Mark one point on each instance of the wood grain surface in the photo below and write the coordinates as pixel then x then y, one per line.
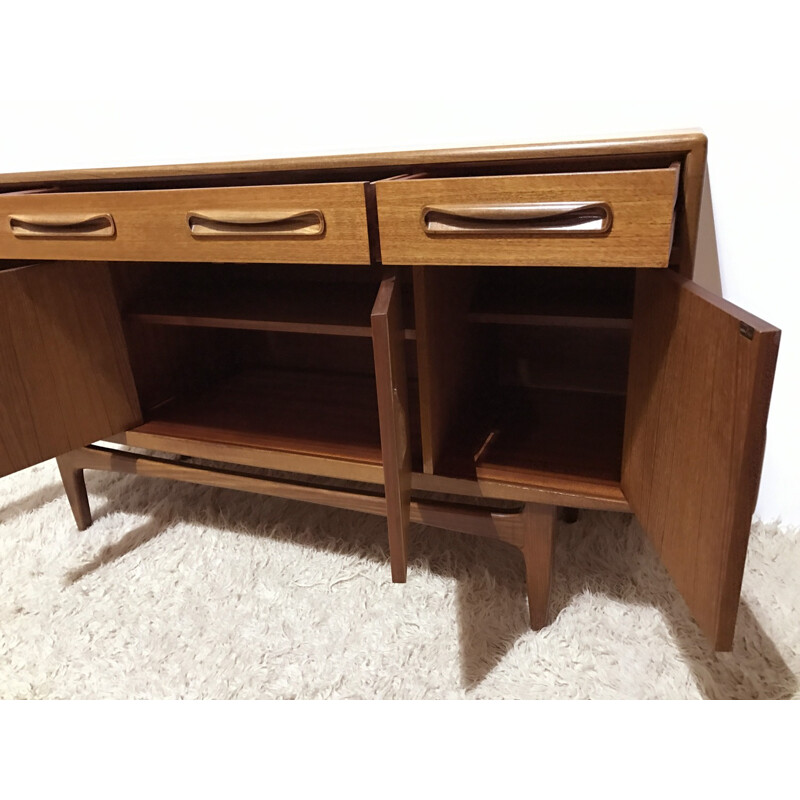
pixel 536 436
pixel 667 143
pixel 572 298
pixel 538 549
pixel 559 357
pixel 153 225
pixel 334 309
pixel 211 449
pixel 317 414
pixel 441 300
pixel 530 528
pixel 393 408
pixel 233 376
pixel 547 488
pixel 642 203
pixel 699 386
pixel 65 379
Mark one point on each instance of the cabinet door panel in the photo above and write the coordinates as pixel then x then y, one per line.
pixel 699 386
pixel 390 377
pixel 65 379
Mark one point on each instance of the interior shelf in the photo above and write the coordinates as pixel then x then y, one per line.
pixel 600 298
pixel 528 436
pixel 330 415
pixel 332 309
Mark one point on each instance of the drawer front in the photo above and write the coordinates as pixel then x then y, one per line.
pixel 310 223
pixel 602 219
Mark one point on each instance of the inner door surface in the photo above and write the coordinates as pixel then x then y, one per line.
pixel 390 378
pixel 65 379
pixel 699 386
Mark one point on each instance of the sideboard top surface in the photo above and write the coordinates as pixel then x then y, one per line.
pixel 668 143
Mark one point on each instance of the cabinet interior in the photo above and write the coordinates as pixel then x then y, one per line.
pixel 527 380
pixel 269 357
pixel 522 372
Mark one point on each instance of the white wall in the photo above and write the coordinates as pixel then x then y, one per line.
pixel 103 84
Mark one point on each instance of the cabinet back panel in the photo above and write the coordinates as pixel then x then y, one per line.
pixel 168 362
pixel 578 359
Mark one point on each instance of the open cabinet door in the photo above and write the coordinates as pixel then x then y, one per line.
pixel 390 378
pixel 699 387
pixel 65 379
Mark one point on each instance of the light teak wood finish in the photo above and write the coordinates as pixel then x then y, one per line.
pixel 241 224
pixel 328 309
pixel 530 528
pixel 540 489
pixel 319 465
pixel 699 373
pixel 538 548
pixel 700 382
pixel 641 204
pixel 441 299
pixel 551 489
pixel 390 379
pixel 283 419
pixel 664 146
pixel 65 379
pixel 688 217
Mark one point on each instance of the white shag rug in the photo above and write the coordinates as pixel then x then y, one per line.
pixel 181 591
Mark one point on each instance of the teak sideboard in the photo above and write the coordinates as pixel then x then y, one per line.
pixel 469 339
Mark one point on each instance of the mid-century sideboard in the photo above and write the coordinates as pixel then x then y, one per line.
pixel 452 330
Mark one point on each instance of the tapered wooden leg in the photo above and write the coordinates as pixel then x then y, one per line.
pixel 75 487
pixel 538 534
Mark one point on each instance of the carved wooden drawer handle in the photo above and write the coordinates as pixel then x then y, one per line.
pixel 256 223
pixel 62 226
pixel 579 219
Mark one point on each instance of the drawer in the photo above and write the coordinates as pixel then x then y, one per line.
pixel 309 223
pixel 601 219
